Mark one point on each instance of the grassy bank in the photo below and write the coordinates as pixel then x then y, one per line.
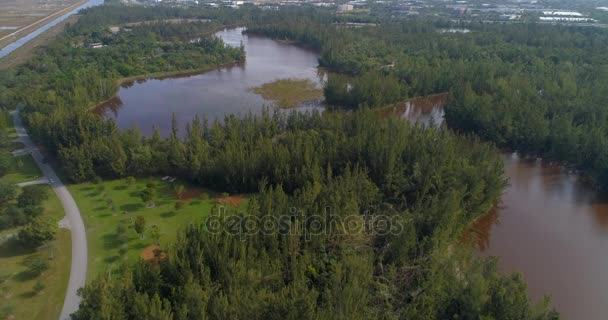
pixel 107 205
pixel 17 294
pixel 289 93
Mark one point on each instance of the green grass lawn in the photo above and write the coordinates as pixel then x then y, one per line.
pixel 17 296
pixel 24 169
pixel 290 92
pixel 101 221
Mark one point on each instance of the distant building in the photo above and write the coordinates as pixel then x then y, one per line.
pixel 345 8
pixel 115 30
pixel 567 19
pixel 96 45
pixel 562 13
pixel 510 16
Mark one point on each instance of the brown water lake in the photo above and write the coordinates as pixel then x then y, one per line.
pixel 549 225
pixel 216 93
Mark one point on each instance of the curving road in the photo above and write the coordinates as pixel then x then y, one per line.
pixel 72 220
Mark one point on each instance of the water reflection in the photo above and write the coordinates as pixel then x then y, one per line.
pixel 553 229
pixel 214 94
pixel 425 111
pixel 551 226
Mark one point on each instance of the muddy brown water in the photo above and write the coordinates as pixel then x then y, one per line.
pixel 549 226
pixel 216 93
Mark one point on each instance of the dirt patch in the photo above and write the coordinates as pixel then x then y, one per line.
pixel 153 253
pixel 190 195
pixel 233 200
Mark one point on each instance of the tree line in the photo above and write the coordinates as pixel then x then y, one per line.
pixel 430 183
pixel 532 88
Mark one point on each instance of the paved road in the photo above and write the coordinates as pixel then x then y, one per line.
pixel 34 182
pixel 21 152
pixel 78 271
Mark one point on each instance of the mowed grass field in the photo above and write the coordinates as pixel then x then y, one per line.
pixel 106 205
pixel 17 295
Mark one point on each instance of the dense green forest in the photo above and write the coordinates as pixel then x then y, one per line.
pixel 430 184
pixel 533 88
pixel 328 167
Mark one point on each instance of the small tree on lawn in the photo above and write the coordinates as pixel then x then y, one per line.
pixel 6 310
pixel 124 248
pixel 131 181
pixel 36 266
pixel 179 205
pixel 179 189
pixel 101 188
pixel 155 234
pixel 121 234
pixel 38 232
pixel 148 195
pixel 140 226
pixel 38 287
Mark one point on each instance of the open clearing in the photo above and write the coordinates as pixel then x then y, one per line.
pixel 107 205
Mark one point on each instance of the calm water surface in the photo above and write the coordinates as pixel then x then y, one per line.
pixel 549 226
pixel 216 93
